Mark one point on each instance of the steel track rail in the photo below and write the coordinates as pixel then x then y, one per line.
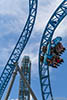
pixel 54 21
pixel 9 67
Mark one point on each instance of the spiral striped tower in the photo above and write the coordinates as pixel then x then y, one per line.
pixel 26 70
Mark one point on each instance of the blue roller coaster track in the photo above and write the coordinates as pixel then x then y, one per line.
pixel 9 67
pixel 52 24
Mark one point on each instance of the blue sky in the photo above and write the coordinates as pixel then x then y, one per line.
pixel 13 15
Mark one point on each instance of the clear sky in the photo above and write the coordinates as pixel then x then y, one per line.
pixel 13 15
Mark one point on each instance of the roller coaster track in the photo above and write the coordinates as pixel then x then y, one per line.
pixel 52 24
pixel 9 67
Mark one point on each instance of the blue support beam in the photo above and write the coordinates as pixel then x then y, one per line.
pixel 52 24
pixel 9 67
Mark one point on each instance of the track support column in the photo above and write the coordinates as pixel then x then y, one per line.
pixel 11 84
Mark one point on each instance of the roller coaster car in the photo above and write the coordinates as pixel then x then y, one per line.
pixel 53 59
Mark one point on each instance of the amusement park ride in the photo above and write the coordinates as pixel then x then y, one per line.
pixel 49 53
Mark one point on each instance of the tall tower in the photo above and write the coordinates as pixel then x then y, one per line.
pixel 26 70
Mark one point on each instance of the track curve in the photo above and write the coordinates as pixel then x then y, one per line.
pixel 52 24
pixel 9 68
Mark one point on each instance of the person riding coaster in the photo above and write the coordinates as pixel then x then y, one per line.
pixel 44 49
pixel 53 62
pixel 53 59
pixel 59 48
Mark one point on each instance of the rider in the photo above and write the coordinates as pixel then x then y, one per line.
pixel 44 49
pixel 41 58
